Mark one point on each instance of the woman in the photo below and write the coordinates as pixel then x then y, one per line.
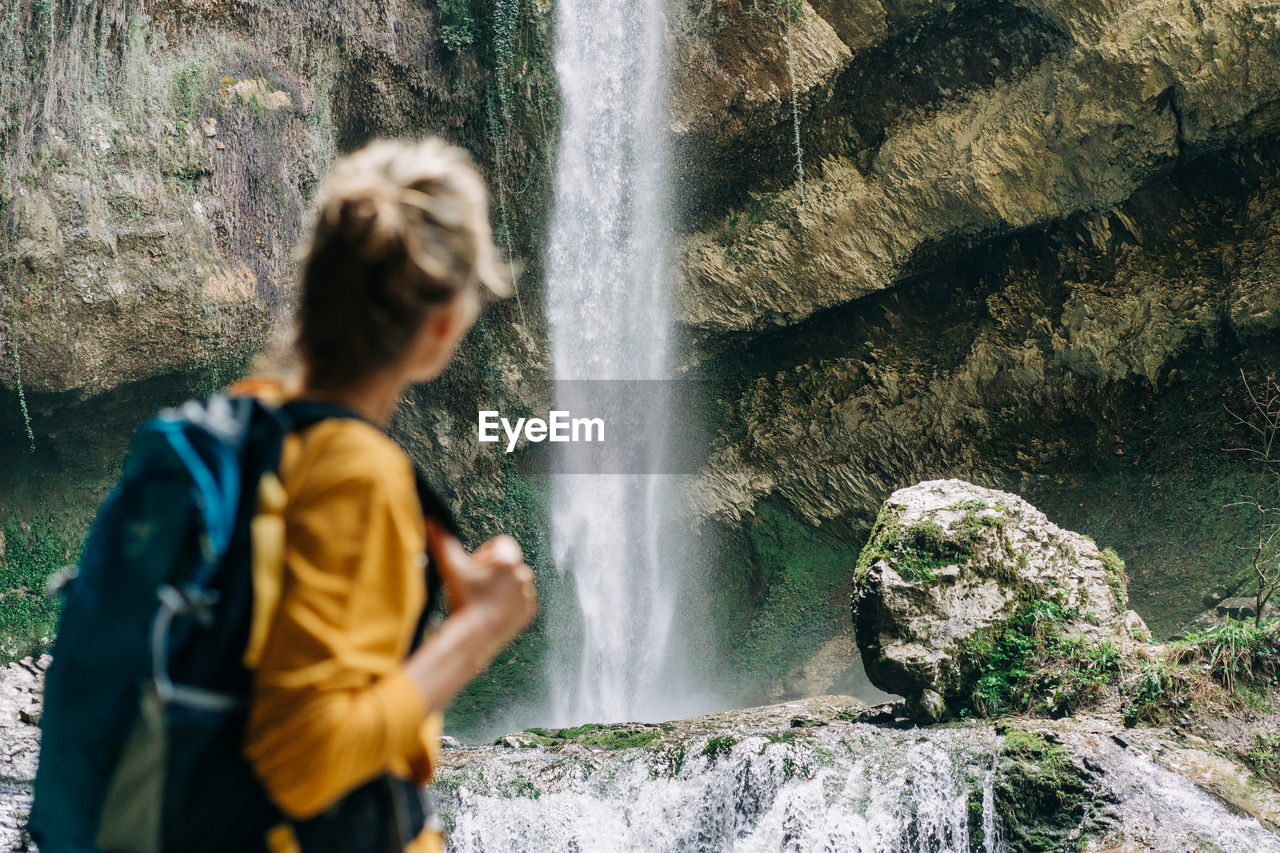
pixel 342 701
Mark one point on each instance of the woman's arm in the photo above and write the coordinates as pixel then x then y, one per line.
pixel 492 598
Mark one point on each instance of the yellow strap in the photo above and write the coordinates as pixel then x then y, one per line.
pixel 267 535
pixel 282 839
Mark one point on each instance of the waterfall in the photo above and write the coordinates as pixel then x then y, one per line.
pixel 838 786
pixel 612 655
pixel 858 790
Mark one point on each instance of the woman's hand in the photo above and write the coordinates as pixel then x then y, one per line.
pixel 493 582
pixel 491 599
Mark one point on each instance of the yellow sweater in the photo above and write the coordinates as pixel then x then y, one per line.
pixel 333 620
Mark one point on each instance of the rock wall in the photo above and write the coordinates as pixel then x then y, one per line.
pixel 1035 250
pixel 157 163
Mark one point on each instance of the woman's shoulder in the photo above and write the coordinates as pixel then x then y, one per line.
pixel 350 452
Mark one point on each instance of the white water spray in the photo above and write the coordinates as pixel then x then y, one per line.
pixel 612 655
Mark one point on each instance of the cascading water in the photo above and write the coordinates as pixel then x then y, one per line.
pixel 767 780
pixel 612 655
pixel 859 790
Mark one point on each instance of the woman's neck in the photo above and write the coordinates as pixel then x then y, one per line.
pixel 374 398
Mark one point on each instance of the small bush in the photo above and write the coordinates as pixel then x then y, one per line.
pixel 1034 664
pixel 1236 655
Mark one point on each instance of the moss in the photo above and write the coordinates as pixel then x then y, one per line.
pixel 916 551
pixel 28 616
pixel 719 747
pixel 786 592
pixel 1040 796
pixel 598 735
pixel 885 528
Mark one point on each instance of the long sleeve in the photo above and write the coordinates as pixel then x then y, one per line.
pixel 331 707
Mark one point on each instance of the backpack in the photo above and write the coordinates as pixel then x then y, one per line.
pixel 142 727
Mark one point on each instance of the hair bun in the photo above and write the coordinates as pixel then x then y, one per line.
pixel 370 222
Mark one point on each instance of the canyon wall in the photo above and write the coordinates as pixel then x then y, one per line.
pixel 1033 247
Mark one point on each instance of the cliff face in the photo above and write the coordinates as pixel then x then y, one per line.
pixel 1012 116
pixel 1034 248
pixel 157 163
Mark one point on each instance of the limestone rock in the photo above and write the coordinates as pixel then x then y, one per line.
pixel 1080 131
pixel 947 561
pixel 21 684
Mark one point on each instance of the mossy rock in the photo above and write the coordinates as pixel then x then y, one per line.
pixel 1040 795
pixel 956 579
pixel 597 735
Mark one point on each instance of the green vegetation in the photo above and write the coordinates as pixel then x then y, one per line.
pixel 28 616
pixel 719 747
pixel 458 28
pixel 1264 756
pixel 1034 663
pixel 917 551
pixel 1040 795
pixel 1237 655
pixel 516 676
pixel 1235 664
pixel 668 761
pixel 1117 579
pixel 600 736
pixel 1153 692
pixel 787 587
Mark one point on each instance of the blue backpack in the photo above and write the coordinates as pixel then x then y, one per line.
pixel 142 726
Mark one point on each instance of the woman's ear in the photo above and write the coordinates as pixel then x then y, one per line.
pixel 441 333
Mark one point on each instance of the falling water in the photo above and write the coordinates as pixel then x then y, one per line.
pixel 853 789
pixel 612 655
pixel 838 786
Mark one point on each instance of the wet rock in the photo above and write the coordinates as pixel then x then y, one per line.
pixel 21 684
pixel 949 561
pixel 927 707
pixel 1237 608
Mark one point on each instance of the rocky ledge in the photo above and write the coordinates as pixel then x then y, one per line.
pixel 21 684
pixel 814 774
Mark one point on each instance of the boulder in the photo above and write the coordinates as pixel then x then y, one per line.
pixel 949 563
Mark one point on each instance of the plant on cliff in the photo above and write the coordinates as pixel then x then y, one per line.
pixel 1263 505
pixel 29 554
pixel 1035 663
pixel 458 28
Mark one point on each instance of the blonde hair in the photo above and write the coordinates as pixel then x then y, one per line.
pixel 401 227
